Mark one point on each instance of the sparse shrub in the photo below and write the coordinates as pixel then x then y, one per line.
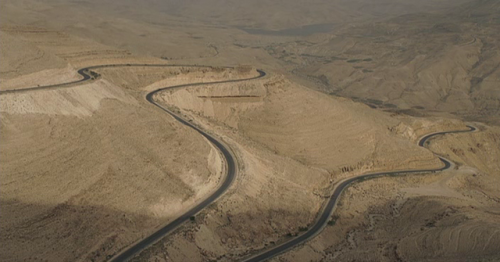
pixel 243 69
pixel 375 101
pixel 93 75
pixel 218 69
pixel 476 81
pixel 333 220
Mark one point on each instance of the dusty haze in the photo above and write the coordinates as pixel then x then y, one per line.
pixel 89 169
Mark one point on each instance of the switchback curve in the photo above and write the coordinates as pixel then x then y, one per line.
pixel 230 175
pixel 136 248
pixel 231 169
pixel 328 210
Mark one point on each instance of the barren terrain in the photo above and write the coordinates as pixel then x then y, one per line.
pixel 416 63
pixel 448 216
pixel 88 169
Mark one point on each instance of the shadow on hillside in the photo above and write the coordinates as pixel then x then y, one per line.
pixel 34 232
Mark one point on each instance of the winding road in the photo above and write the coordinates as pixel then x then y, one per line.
pixel 231 169
pixel 230 175
pixel 328 210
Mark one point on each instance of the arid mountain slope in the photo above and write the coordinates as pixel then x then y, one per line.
pixel 285 118
pixel 22 57
pixel 89 169
pixel 440 62
pixel 448 216
pixel 70 167
pixel 290 157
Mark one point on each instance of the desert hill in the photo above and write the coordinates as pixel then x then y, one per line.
pixel 452 215
pixel 88 169
pixel 439 62
pixel 75 183
pixel 83 154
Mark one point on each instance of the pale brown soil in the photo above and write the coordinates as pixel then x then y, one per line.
pixel 449 216
pixel 284 192
pixel 87 170
pixel 93 166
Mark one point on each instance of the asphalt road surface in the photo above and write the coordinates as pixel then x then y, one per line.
pixel 320 223
pixel 139 246
pixel 230 176
pixel 328 210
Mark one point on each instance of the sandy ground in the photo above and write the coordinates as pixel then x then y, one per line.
pixel 90 169
pixel 413 63
pixel 449 216
pixel 79 159
pixel 284 192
